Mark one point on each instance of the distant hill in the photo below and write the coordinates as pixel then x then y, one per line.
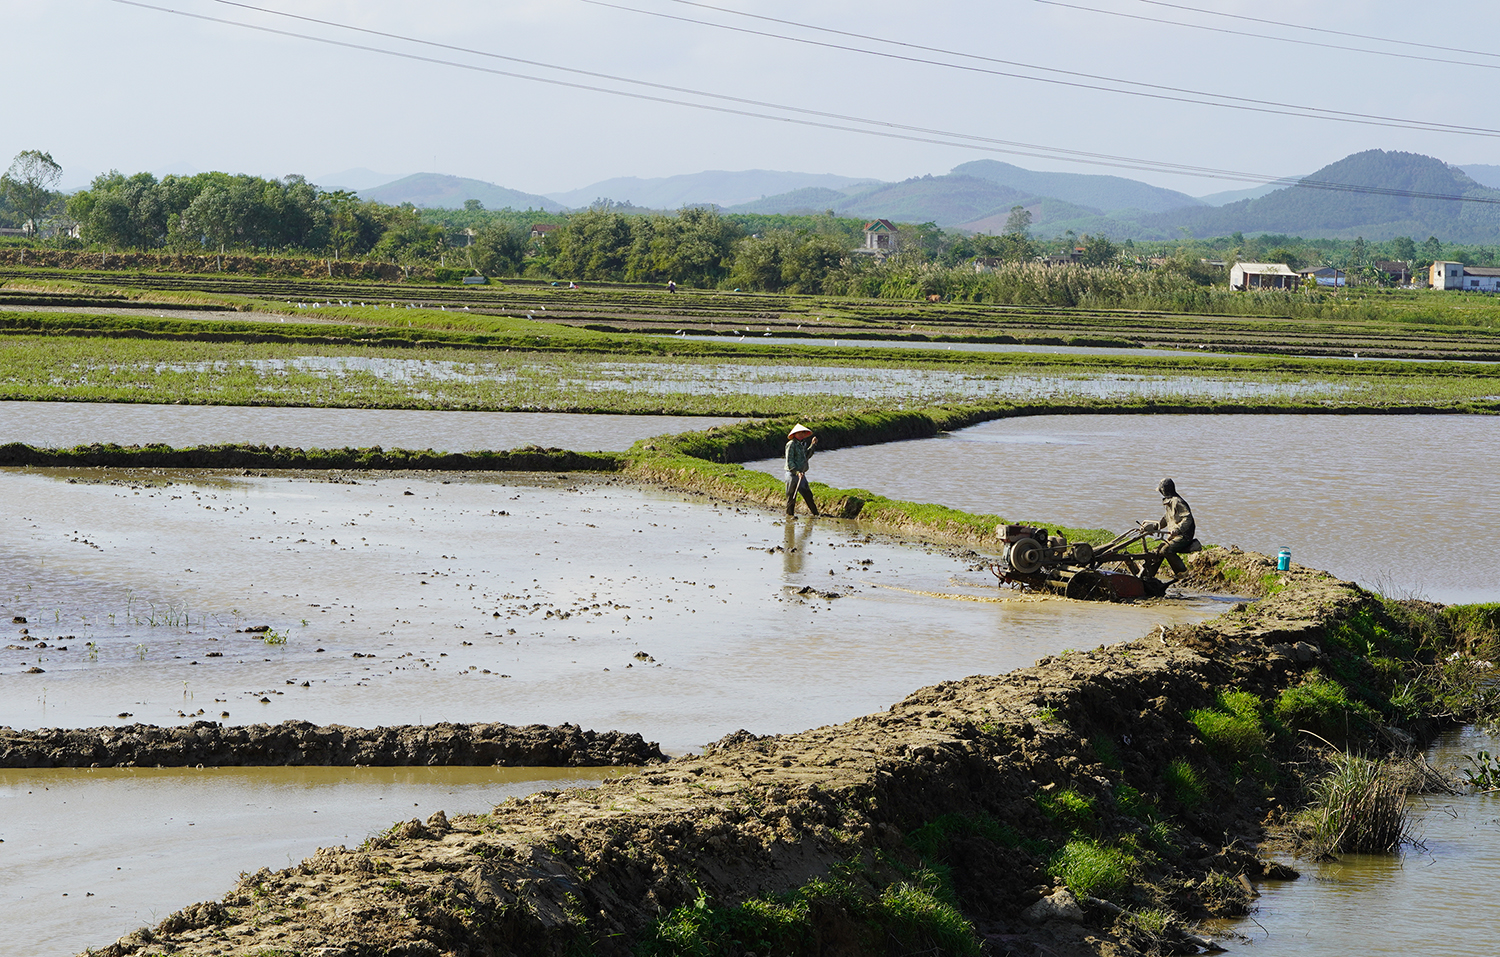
pixel 1303 211
pixel 355 179
pixel 945 200
pixel 436 191
pixel 1084 189
pixel 1484 175
pixel 713 187
pixel 1235 195
pixel 1048 217
pixel 811 199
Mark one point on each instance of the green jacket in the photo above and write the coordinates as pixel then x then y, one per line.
pixel 797 454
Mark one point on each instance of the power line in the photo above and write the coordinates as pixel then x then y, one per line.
pixel 1342 32
pixel 1188 96
pixel 825 120
pixel 1279 39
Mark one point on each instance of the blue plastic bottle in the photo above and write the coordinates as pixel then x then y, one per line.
pixel 1284 560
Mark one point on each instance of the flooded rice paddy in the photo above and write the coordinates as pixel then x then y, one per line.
pixel 1402 503
pixel 411 598
pixel 66 424
pixel 407 599
pixel 1429 899
pixel 91 855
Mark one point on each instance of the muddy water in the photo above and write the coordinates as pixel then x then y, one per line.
pixel 1401 503
pixel 407 600
pixel 412 599
pixel 66 424
pixel 1431 899
pixel 90 855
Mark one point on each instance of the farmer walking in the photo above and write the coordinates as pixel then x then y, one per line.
pixel 799 448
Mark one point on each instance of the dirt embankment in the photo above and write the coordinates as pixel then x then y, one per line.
pixel 302 743
pixel 992 781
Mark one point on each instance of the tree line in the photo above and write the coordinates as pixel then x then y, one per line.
pixel 696 246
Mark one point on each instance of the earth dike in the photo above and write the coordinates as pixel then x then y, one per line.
pixel 1074 806
pixel 301 743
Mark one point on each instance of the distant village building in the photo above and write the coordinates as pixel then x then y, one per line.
pixel 1399 271
pixel 540 230
pixel 881 237
pixel 1262 276
pixel 1063 259
pixel 1451 275
pixel 1324 276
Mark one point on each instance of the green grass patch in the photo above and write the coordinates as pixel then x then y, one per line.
pixel 1069 810
pixel 1093 869
pixel 903 917
pixel 1317 705
pixel 1233 727
pixel 1183 783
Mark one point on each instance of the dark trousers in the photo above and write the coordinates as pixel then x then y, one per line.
pixel 1170 550
pixel 797 482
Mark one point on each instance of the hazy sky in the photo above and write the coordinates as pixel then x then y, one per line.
pixel 101 84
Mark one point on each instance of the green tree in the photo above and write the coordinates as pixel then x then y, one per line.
pixel 1286 256
pixel 1404 248
pixel 1018 223
pixel 499 250
pixel 28 186
pixel 1432 249
pixel 1098 251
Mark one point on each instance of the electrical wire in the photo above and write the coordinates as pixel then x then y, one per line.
pixel 1281 24
pixel 880 128
pixel 1279 39
pixel 1249 104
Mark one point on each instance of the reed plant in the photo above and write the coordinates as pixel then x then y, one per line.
pixel 1358 806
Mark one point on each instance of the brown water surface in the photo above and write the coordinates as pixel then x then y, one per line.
pixel 66 424
pixel 1404 503
pixel 90 855
pixel 409 598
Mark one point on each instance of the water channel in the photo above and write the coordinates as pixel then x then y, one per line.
pixel 1402 503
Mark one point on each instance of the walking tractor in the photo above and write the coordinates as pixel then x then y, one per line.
pixel 1036 560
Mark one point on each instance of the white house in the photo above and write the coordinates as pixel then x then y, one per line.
pixel 1261 276
pixel 1451 275
pixel 881 236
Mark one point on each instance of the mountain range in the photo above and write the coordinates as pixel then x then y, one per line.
pixel 978 196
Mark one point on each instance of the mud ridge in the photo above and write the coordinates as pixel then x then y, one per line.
pixel 298 743
pixel 959 776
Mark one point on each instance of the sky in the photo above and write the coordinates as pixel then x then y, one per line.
pixel 104 84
